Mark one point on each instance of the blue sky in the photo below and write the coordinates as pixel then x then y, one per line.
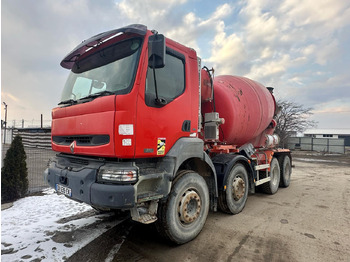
pixel 299 47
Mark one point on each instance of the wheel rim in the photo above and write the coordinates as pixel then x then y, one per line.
pixel 189 206
pixel 238 188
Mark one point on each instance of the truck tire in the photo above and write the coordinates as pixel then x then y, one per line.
pixel 233 199
pixel 182 215
pixel 286 171
pixel 271 187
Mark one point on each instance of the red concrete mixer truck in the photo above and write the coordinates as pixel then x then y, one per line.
pixel 142 127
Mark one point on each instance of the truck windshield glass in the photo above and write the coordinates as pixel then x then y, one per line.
pixel 107 71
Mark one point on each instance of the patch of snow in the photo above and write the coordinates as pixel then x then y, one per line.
pixel 27 228
pixel 112 253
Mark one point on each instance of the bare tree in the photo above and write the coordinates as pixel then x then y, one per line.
pixel 292 118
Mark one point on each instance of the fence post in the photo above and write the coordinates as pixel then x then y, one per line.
pixel 328 145
pixel 5 121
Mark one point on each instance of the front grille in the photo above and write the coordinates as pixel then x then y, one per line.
pixel 78 161
pixel 80 140
pixel 83 140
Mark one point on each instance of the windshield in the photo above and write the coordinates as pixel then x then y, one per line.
pixel 107 71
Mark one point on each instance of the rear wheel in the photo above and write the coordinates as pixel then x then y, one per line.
pixel 286 171
pixel 182 215
pixel 232 200
pixel 271 187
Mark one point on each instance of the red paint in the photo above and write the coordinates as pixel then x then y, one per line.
pixel 247 107
pixel 166 122
pixel 93 118
pixel 103 115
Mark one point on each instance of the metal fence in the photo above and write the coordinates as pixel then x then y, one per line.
pixel 37 159
pixel 330 145
pixel 6 135
pixel 37 145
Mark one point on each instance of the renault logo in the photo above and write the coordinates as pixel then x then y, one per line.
pixel 72 146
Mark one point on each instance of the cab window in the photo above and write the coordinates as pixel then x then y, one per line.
pixel 170 79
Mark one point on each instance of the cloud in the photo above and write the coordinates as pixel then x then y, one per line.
pixel 221 12
pixel 153 13
pixel 332 114
pixel 272 68
pixel 293 46
pixel 227 52
pixel 10 96
pixel 328 14
pixel 193 27
pixel 327 52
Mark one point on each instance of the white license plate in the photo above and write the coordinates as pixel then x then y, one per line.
pixel 63 190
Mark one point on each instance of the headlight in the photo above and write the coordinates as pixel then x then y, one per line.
pixel 110 175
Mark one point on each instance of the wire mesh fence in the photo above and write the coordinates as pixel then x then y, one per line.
pixel 6 135
pixel 37 159
pixel 330 145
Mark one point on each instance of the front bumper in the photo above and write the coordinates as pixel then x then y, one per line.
pixel 81 179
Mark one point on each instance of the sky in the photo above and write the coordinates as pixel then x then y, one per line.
pixel 301 48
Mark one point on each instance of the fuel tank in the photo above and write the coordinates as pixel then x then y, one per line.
pixel 247 106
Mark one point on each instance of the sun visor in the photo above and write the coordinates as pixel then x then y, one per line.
pixel 73 56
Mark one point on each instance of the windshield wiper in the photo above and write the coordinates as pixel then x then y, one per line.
pixel 69 101
pixel 103 93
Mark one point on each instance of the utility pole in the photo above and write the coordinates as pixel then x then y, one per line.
pixel 5 121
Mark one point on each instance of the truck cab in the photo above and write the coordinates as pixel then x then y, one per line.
pixel 108 106
pixel 123 129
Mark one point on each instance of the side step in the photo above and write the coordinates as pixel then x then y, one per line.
pixel 145 215
pixel 147 219
pixel 260 167
pixel 262 181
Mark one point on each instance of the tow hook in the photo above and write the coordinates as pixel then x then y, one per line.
pixel 63 180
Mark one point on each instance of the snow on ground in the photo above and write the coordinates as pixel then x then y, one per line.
pixel 36 228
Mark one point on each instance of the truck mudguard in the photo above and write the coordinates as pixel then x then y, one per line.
pixel 223 164
pixel 189 152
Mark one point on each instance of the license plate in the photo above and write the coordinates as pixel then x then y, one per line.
pixel 63 190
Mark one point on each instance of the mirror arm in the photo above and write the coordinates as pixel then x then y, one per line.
pixel 155 80
pixel 159 101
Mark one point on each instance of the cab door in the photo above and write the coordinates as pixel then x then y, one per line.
pixel 161 122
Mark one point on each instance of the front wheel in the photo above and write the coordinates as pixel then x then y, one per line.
pixel 232 200
pixel 182 215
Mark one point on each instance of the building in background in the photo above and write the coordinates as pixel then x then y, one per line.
pixel 329 133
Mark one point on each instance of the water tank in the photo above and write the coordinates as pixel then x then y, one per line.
pixel 247 106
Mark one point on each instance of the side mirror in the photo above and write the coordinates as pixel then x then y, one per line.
pixel 156 51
